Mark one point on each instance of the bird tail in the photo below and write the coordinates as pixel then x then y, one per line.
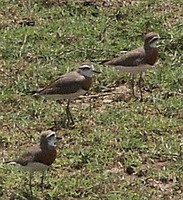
pixel 10 162
pixel 103 62
pixel 31 92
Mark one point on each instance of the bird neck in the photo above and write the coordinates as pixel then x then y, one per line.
pixel 149 47
pixel 44 147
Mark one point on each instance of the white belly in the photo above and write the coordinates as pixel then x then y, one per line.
pixel 32 166
pixel 35 166
pixel 66 96
pixel 134 69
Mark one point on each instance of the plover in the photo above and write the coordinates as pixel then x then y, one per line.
pixel 138 60
pixel 70 86
pixel 38 157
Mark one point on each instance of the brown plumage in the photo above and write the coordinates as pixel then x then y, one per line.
pixel 70 86
pixel 39 157
pixel 138 60
pixel 67 84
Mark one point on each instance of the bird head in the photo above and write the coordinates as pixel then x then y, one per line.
pixel 87 70
pixel 151 38
pixel 48 139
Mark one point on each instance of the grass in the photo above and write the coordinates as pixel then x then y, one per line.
pixel 119 148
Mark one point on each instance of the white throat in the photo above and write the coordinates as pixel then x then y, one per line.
pixel 153 44
pixel 51 141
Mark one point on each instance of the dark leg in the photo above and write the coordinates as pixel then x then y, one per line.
pixel 133 85
pixel 90 104
pixel 30 181
pixel 68 113
pixel 42 180
pixel 140 86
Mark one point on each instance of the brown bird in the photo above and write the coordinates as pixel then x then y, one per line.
pixel 39 157
pixel 70 86
pixel 138 60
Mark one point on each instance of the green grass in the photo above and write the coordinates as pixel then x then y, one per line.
pixel 120 148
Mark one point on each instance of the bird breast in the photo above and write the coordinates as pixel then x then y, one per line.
pixel 86 83
pixel 152 57
pixel 46 157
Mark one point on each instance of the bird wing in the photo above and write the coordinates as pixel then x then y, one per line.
pixel 132 58
pixel 67 83
pixel 27 156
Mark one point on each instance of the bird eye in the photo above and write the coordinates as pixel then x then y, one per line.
pixel 154 39
pixel 85 68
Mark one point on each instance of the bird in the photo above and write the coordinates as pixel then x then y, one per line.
pixel 70 86
pixel 138 60
pixel 39 157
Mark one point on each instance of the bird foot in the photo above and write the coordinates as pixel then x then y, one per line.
pixel 45 186
pixel 69 124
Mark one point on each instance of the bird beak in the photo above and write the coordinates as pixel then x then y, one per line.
pixel 95 71
pixel 58 137
pixel 164 38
